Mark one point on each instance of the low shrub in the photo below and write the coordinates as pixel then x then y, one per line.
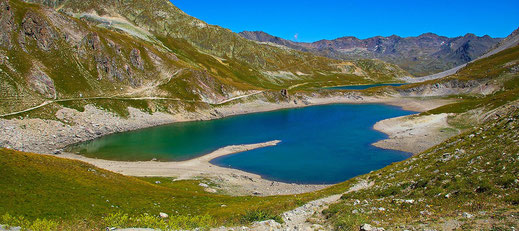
pixel 260 215
pixel 20 221
pixel 179 222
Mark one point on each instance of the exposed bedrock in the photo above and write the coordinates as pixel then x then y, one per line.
pixel 450 87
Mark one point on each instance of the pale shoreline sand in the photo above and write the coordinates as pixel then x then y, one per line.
pixel 187 169
pixel 201 167
pixel 414 134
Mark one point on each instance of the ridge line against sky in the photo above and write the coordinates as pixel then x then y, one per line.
pixel 309 21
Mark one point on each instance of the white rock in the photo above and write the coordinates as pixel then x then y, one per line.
pixel 366 227
pixel 163 215
pixel 210 190
pixel 409 201
pixel 203 185
pixel 467 215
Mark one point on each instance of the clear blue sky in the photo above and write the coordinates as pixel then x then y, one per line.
pixel 329 19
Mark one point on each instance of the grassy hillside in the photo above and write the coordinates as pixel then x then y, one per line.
pixel 501 70
pixel 79 196
pixel 469 182
pixel 128 49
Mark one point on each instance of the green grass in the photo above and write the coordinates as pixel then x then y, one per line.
pixel 174 222
pixel 36 225
pixel 260 215
pixel 77 194
pixel 470 103
pixel 473 172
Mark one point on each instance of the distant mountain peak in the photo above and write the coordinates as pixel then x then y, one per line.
pixel 414 54
pixel 470 35
pixel 429 34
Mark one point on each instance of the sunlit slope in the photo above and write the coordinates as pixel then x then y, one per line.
pixel 84 49
pixel 469 181
pixel 79 195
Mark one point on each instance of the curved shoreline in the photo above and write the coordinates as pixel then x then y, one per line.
pixel 45 138
pixel 200 167
pixel 414 134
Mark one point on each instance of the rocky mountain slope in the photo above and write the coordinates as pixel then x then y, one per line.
pixel 65 50
pixel 494 74
pixel 422 55
pixel 510 41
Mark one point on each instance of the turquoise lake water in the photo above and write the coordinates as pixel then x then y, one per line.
pixel 319 144
pixel 362 87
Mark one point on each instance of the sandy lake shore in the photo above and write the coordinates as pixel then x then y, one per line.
pixel 414 134
pixel 201 167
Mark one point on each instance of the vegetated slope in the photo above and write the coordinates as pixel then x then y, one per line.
pixel 471 173
pixel 422 55
pixel 78 195
pixel 510 41
pixel 469 182
pixel 85 49
pixel 487 77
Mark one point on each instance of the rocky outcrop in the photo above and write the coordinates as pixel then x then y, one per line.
pixel 93 41
pixel 107 67
pixel 41 83
pixel 135 58
pixel 284 93
pixel 111 67
pixel 449 87
pixel 6 24
pixel 36 27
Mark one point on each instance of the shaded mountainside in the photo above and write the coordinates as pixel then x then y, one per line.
pixel 422 55
pixel 127 48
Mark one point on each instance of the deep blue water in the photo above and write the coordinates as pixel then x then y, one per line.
pixel 362 87
pixel 320 144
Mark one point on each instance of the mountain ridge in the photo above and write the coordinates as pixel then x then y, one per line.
pixel 427 53
pixel 147 49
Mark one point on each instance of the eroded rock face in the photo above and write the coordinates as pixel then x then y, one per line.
pixel 6 24
pixel 50 3
pixel 107 67
pixel 42 83
pixel 36 27
pixel 135 58
pixel 284 93
pixel 450 87
pixel 93 41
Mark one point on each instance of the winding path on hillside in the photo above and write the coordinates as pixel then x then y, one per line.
pixel 239 97
pixel 126 98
